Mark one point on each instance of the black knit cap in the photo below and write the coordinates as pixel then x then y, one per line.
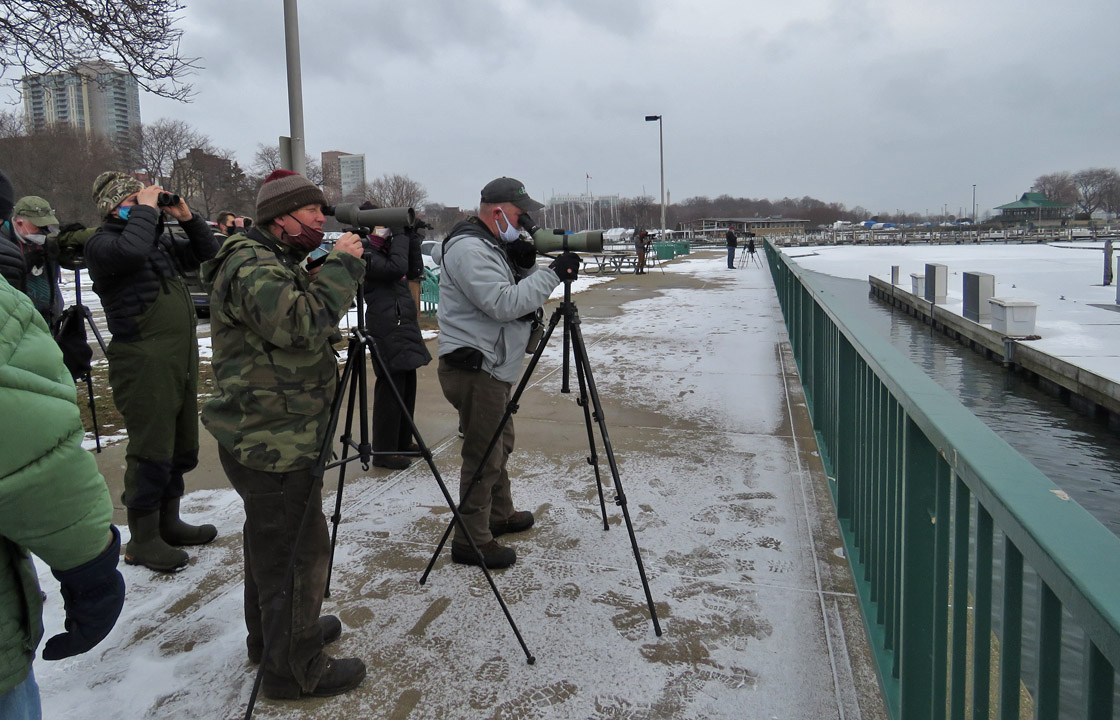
pixel 508 190
pixel 283 192
pixel 7 197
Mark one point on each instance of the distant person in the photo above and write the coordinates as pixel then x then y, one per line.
pixel 394 323
pixel 53 504
pixel 750 244
pixel 153 357
pixel 490 289
pixel 641 245
pixel 229 224
pixel 32 250
pixel 732 241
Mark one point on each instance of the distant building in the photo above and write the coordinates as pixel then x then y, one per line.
pixel 1034 208
pixel 95 98
pixel 343 173
pixel 351 173
pixel 759 226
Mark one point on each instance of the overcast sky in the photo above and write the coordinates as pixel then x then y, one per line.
pixel 888 104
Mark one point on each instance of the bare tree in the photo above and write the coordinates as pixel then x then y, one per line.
pixel 442 218
pixel 11 124
pixel 266 160
pixel 1057 187
pixel 60 165
pixel 1095 187
pixel 38 36
pixel 162 144
pixel 396 191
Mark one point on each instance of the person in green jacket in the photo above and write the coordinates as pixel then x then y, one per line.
pixel 53 503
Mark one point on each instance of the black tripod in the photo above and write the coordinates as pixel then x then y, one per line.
pixel 354 385
pixel 70 335
pixel 573 345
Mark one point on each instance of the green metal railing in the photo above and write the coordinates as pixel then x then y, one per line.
pixel 429 292
pixel 940 518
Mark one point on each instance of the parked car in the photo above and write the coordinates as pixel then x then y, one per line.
pixel 426 248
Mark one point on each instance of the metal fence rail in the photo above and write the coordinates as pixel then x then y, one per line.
pixel 940 518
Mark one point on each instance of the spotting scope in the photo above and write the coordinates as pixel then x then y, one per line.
pixel 396 218
pixel 545 240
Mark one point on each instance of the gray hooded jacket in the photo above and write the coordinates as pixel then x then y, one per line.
pixel 481 299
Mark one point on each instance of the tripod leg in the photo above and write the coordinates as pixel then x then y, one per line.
pixel 93 411
pixel 349 381
pixel 580 351
pixel 593 458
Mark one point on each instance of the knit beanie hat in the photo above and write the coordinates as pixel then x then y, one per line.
pixel 284 191
pixel 7 197
pixel 111 188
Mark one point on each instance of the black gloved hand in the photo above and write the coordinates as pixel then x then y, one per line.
pixel 93 595
pixel 522 253
pixel 566 266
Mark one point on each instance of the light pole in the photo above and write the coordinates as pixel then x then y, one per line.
pixel 973 203
pixel 661 145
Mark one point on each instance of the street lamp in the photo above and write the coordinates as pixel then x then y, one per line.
pixel 661 144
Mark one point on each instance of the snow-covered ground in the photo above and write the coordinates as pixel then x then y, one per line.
pixel 1077 316
pixel 716 468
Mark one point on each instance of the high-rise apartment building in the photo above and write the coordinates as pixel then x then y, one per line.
pixel 96 98
pixel 343 173
pixel 351 173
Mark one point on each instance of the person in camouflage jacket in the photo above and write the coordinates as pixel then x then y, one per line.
pixel 276 373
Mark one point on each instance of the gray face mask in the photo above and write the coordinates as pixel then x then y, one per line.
pixel 511 232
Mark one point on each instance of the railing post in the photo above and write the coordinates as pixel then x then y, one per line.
pixel 916 644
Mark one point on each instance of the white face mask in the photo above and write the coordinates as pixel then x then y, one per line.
pixel 37 238
pixel 511 232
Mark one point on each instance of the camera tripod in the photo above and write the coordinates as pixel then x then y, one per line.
pixel 588 399
pixel 74 320
pixel 353 384
pixel 753 258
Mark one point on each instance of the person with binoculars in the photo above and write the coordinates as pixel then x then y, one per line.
pixel 490 287
pixel 153 356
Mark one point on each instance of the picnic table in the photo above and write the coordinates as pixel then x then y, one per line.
pixel 611 261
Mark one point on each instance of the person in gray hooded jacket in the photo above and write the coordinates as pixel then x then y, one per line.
pixel 489 283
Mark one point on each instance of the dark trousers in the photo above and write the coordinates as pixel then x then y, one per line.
pixel 155 388
pixel 274 508
pixel 481 401
pixel 731 257
pixel 391 429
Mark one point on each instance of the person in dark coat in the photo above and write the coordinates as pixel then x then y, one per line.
pixel 393 322
pixel 153 358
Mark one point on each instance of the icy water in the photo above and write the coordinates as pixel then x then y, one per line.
pixel 1078 453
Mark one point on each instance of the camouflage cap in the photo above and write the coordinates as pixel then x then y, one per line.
pixel 35 210
pixel 111 188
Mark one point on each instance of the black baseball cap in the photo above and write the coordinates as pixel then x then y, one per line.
pixel 508 190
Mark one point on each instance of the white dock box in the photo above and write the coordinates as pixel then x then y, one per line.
pixel 1013 317
pixel 918 284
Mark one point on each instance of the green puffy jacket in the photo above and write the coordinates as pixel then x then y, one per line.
pixel 274 363
pixel 53 501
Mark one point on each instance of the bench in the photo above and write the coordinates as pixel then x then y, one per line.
pixel 611 261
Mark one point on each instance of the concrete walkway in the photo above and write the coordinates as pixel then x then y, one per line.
pixel 730 507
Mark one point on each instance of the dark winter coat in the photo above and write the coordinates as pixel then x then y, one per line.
pixel 732 240
pixel 391 315
pixel 134 265
pixel 33 269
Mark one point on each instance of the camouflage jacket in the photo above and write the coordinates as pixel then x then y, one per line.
pixel 274 364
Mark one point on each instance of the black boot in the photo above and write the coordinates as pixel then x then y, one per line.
pixel 176 532
pixel 340 675
pixel 147 548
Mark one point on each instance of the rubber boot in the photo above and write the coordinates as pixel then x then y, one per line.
pixel 176 532
pixel 147 548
